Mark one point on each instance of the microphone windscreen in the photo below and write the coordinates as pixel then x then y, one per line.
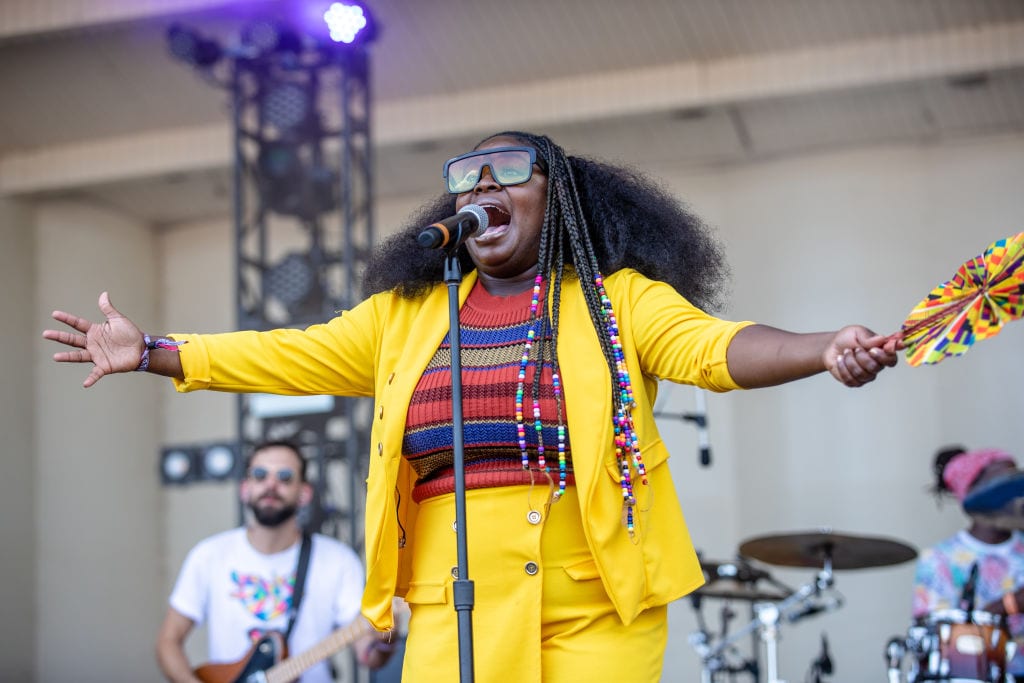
pixel 479 212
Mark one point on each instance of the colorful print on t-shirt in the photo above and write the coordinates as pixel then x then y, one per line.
pixel 265 599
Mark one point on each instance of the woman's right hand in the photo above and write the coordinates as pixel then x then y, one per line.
pixel 115 345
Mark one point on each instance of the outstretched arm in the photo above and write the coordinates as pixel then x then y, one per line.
pixel 762 356
pixel 115 345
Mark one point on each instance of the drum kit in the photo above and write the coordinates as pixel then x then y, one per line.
pixel 964 644
pixel 955 646
pixel 773 603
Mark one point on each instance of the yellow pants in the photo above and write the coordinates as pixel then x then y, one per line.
pixel 540 612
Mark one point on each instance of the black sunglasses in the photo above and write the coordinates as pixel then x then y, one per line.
pixel 509 166
pixel 283 475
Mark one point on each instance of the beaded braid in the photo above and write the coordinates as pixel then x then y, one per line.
pixel 564 219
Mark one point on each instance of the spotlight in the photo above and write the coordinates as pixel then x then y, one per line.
pixel 220 462
pixel 346 21
pixel 270 36
pixel 210 462
pixel 291 280
pixel 287 105
pixel 177 466
pixel 191 48
pixel 293 186
pixel 282 173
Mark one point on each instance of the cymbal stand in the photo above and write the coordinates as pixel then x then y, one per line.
pixel 714 663
pixel 768 616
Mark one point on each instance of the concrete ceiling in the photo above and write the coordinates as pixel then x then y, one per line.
pixel 94 106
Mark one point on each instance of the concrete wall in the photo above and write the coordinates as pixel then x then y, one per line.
pixel 97 499
pixel 17 481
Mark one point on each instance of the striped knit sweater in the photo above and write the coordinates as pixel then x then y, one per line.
pixel 493 334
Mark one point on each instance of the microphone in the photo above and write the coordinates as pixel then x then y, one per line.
pixel 454 230
pixel 824 660
pixel 701 420
pixel 970 587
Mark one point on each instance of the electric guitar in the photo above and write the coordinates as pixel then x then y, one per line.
pixel 268 661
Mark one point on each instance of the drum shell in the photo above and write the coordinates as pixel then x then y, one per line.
pixel 954 645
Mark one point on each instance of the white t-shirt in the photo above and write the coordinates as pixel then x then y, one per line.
pixel 238 590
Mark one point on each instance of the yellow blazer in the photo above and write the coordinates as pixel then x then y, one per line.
pixel 381 347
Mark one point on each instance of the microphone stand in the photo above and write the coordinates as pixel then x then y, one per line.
pixel 462 589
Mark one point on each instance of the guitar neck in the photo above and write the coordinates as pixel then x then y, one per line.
pixel 291 668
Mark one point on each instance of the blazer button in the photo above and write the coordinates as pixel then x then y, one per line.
pixel 455 573
pixel 531 568
pixel 533 517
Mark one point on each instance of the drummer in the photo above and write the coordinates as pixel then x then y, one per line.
pixel 943 570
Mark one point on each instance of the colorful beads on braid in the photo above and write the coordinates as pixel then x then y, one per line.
pixel 627 444
pixel 565 226
pixel 562 469
pixel 521 386
pixel 521 396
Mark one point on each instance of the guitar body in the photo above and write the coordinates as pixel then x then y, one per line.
pixel 268 651
pixel 268 662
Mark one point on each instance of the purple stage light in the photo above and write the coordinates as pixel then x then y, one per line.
pixel 344 22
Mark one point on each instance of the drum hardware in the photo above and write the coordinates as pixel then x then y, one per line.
pixel 821 549
pixel 823 664
pixel 895 652
pixel 729 581
pixel 739 581
pixel 952 645
pixel 769 615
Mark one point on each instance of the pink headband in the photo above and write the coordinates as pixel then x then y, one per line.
pixel 963 469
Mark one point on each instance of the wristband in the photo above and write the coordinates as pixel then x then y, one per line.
pixel 160 343
pixel 1010 604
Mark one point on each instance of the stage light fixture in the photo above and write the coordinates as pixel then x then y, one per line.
pixel 287 106
pixel 191 48
pixel 345 21
pixel 291 280
pixel 268 36
pixel 282 175
pixel 177 466
pixel 293 186
pixel 203 462
pixel 220 462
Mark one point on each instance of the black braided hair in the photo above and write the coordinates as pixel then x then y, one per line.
pixel 626 219
pixel 942 458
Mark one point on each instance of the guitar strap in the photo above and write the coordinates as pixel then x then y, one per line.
pixel 300 583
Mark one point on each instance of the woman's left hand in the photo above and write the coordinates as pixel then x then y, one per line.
pixel 856 355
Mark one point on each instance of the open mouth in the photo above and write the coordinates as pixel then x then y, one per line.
pixel 496 216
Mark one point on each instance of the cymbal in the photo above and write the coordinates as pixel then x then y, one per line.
pixel 993 495
pixel 736 581
pixel 731 590
pixel 810 549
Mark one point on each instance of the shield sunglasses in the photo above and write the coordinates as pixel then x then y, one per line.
pixel 509 166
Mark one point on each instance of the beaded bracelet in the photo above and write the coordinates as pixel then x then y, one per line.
pixel 1010 603
pixel 159 343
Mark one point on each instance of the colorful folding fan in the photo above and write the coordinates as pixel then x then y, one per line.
pixel 985 293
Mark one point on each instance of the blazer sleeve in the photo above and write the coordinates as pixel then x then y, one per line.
pixel 337 358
